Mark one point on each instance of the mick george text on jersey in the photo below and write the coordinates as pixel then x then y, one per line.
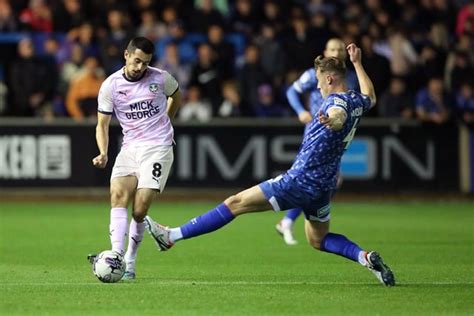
pixel 142 109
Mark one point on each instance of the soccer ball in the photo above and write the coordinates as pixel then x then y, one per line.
pixel 109 266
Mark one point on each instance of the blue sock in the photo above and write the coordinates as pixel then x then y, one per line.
pixel 340 245
pixel 207 222
pixel 293 213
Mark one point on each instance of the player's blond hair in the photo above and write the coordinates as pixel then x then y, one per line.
pixel 330 64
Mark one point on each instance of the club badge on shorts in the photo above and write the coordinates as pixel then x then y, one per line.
pixel 153 87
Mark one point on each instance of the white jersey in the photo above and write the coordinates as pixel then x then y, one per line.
pixel 140 106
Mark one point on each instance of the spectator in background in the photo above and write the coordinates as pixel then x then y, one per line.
pixel 8 22
pixel 177 35
pixel 169 15
pixel 84 37
pixel 243 19
pixel 272 16
pixel 150 27
pixel 271 54
pixel 325 7
pixel 432 103
pixel 31 83
pixel 37 17
pixel 299 45
pixel 116 37
pixel 206 75
pixel 403 56
pixel 396 101
pixel 428 66
pixel 439 36
pixel 205 15
pixel 266 105
pixel 376 66
pixel 51 51
pixel 231 105
pixel 70 69
pixel 465 103
pixel 68 15
pixel 462 72
pixel 462 47
pixel 81 100
pixel 319 29
pixel 140 6
pixel 220 5
pixel 195 107
pixel 171 63
pixel 225 54
pixel 464 19
pixel 251 76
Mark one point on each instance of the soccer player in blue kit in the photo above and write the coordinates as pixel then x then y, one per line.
pixel 307 84
pixel 309 182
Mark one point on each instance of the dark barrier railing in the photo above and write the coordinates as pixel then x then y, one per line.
pixel 387 155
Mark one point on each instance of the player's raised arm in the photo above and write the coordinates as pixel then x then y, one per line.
pixel 102 138
pixel 366 85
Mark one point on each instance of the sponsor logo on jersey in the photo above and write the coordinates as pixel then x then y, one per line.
pixel 153 87
pixel 357 112
pixel 122 93
pixel 340 102
pixel 323 212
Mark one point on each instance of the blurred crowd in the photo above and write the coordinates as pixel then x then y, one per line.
pixel 236 58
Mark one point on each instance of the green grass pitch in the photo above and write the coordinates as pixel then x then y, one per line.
pixel 243 269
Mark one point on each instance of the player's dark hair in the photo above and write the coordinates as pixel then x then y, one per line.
pixel 142 43
pixel 330 64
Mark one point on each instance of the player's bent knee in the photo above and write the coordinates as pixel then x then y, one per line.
pixel 235 203
pixel 316 244
pixel 232 202
pixel 139 216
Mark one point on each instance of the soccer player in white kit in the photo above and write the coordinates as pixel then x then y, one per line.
pixel 144 100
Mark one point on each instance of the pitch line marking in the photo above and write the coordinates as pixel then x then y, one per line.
pixel 189 282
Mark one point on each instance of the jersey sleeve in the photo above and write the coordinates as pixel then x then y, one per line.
pixel 104 100
pixel 170 84
pixel 335 101
pixel 366 103
pixel 306 82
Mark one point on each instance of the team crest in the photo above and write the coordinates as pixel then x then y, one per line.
pixel 153 87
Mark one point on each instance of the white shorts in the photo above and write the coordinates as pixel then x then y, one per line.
pixel 151 165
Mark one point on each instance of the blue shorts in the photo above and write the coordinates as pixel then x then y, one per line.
pixel 284 193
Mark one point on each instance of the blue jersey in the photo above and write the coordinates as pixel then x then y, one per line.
pixel 317 164
pixel 308 83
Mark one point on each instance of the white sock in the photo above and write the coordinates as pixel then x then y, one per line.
pixel 175 234
pixel 362 259
pixel 118 228
pixel 135 237
pixel 286 223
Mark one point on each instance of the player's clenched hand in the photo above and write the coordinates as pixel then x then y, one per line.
pixel 331 122
pixel 305 117
pixel 354 53
pixel 100 161
pixel 323 119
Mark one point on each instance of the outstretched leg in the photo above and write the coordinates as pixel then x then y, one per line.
pixel 247 201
